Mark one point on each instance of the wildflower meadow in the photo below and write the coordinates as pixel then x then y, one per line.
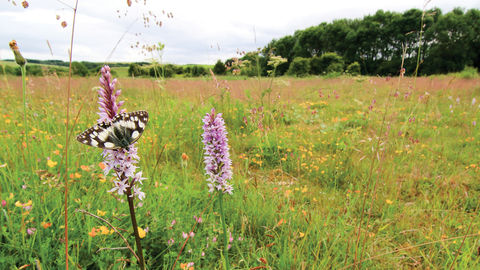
pixel 235 167
pixel 366 172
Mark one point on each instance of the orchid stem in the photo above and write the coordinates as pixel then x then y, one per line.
pixel 138 243
pixel 225 236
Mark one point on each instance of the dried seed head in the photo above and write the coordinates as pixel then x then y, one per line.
pixel 64 24
pixel 25 4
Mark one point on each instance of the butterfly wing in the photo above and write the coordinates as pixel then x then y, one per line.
pixel 136 123
pixel 101 136
pixel 128 127
pixel 124 130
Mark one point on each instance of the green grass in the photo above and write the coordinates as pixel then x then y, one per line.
pixel 320 171
pixel 207 67
pixel 8 63
pixel 122 72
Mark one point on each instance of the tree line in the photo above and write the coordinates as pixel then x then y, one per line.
pixel 378 45
pixel 167 70
pixel 84 68
pixel 60 68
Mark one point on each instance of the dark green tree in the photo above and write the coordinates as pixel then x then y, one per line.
pixel 201 71
pixel 310 40
pixel 472 18
pixel 299 67
pixel 89 65
pixel 453 36
pixel 179 70
pixel 334 36
pixel 134 70
pixel 79 69
pixel 156 71
pixel 194 71
pixel 219 68
pixel 327 63
pixel 315 66
pixel 283 47
pixel 298 49
pixel 354 69
pixel 168 70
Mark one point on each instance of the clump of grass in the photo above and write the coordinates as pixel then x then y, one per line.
pixel 468 73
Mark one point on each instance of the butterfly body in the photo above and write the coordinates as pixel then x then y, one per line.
pixel 124 130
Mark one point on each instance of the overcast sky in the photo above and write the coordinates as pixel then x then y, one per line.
pixel 200 32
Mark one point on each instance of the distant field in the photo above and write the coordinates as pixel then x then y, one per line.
pixel 121 71
pixel 7 63
pixel 11 63
pixel 327 172
pixel 207 67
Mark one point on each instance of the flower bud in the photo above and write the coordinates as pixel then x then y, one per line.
pixel 18 56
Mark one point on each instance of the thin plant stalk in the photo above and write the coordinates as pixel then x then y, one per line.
pixel 5 77
pixel 113 228
pixel 138 243
pixel 22 63
pixel 225 236
pixel 191 230
pixel 465 237
pixel 357 264
pixel 24 88
pixel 420 43
pixel 66 135
pixel 408 248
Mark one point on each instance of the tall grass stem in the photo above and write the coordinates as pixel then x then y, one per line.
pixel 24 88
pixel 225 235
pixel 67 135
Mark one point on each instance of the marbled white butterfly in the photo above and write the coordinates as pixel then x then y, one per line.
pixel 121 132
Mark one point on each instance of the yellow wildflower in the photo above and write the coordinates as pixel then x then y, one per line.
pixel 104 230
pixel 141 232
pixel 51 163
pixel 19 204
